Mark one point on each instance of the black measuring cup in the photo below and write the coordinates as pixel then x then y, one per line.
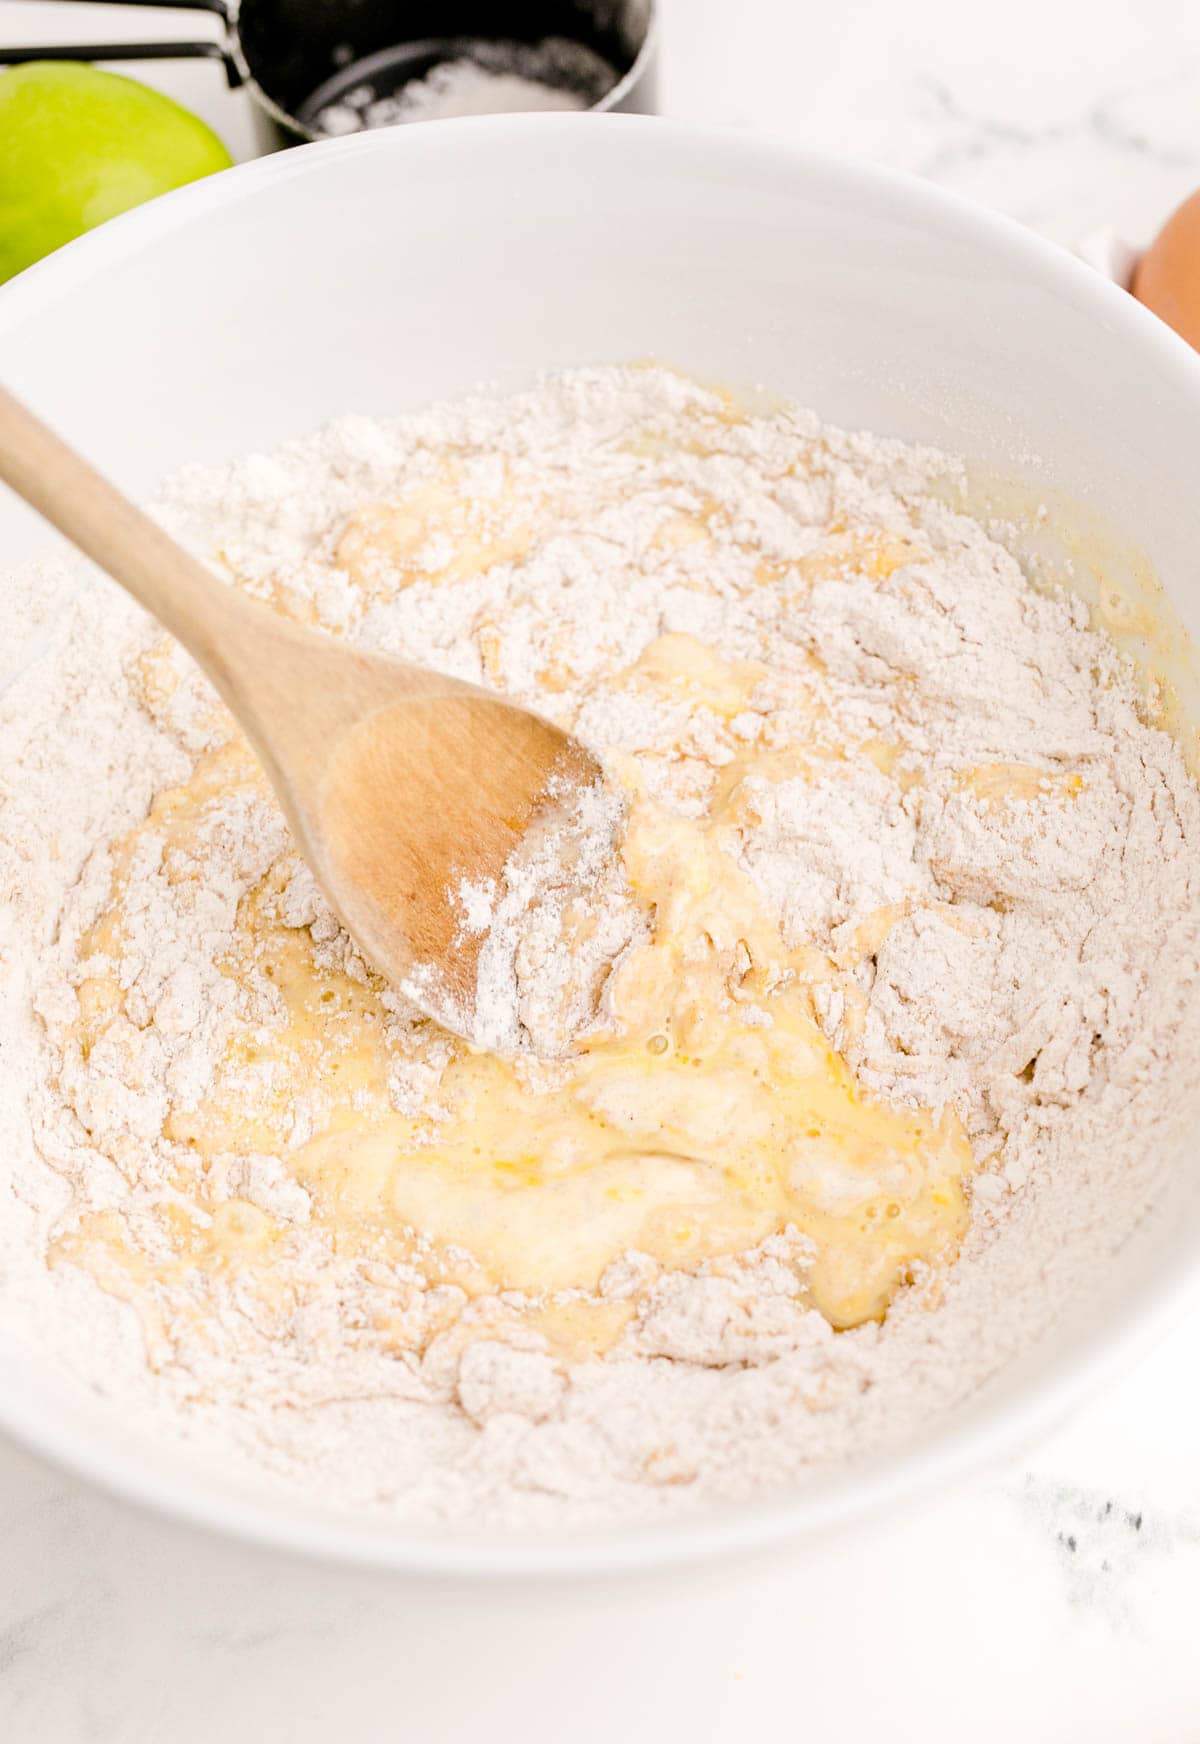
pixel 295 57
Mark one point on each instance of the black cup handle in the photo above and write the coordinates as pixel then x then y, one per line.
pixel 133 51
pixel 220 7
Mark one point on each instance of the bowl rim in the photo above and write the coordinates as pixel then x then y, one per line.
pixel 998 1433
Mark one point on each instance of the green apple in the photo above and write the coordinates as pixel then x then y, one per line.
pixel 78 146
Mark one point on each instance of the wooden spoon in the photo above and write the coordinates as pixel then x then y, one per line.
pixel 398 782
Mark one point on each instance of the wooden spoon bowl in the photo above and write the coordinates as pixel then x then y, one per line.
pixel 399 783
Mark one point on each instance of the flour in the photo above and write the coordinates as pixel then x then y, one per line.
pixel 990 842
pixel 551 935
pixel 496 78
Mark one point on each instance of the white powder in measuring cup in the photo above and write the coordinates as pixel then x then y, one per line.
pixel 494 79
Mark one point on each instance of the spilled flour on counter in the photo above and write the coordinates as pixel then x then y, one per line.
pixel 909 818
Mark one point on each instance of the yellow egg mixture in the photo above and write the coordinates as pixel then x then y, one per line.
pixel 704 1111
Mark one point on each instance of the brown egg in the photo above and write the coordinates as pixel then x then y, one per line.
pixel 1167 279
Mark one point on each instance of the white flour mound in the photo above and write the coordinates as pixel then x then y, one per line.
pixel 532 993
pixel 496 78
pixel 1061 1015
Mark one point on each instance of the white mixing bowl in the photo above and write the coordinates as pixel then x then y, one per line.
pixel 373 273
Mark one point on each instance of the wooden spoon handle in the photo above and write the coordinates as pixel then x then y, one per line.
pixel 75 498
pixel 289 686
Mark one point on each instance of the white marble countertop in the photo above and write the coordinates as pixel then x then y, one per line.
pixel 1052 1600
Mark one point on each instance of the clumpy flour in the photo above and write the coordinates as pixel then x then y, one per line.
pixel 844 1059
